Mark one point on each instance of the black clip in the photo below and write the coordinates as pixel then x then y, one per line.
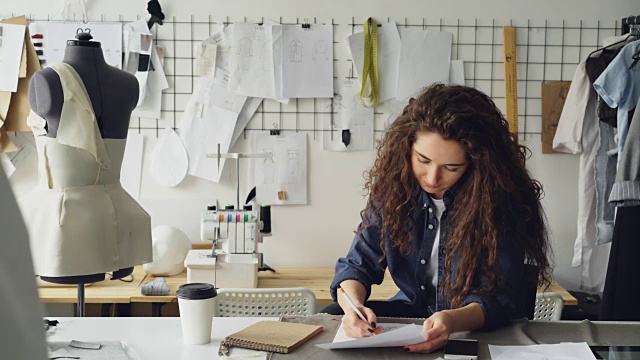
pixel 275 131
pixel 155 10
pixel 306 24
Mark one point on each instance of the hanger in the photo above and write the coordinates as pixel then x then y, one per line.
pixel 634 26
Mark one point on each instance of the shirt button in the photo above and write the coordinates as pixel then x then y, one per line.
pixel 422 287
pixel 430 227
pixel 423 261
pixel 430 210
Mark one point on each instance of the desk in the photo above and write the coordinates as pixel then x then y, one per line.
pixel 161 338
pixel 317 279
pixel 151 338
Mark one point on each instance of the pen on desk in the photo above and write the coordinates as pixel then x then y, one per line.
pixel 353 305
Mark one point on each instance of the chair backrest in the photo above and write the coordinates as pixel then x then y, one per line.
pixel 530 289
pixel 264 302
pixel 548 306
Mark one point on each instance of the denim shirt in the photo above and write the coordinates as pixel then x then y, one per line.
pixel 409 272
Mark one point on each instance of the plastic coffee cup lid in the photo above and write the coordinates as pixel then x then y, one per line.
pixel 196 291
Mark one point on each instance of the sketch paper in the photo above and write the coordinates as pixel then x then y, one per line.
pixel 425 58
pixel 204 126
pixel 388 58
pixel 250 107
pixel 108 34
pixel 286 170
pixel 563 351
pixel 220 95
pixel 456 74
pixel 307 68
pixel 8 166
pixel 131 171
pixel 252 71
pixel 205 59
pixel 346 112
pixel 151 107
pixel 394 335
pixel 169 160
pixel 11 45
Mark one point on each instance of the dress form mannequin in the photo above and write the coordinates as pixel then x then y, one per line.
pixel 113 95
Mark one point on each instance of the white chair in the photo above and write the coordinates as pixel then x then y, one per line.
pixel 264 302
pixel 548 306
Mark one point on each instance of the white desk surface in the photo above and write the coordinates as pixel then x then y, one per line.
pixel 152 338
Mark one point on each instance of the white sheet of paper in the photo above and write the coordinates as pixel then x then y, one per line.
pixel 26 144
pixel 131 172
pixel 204 126
pixel 252 65
pixel 348 113
pixel 456 73
pixel 11 43
pixel 151 107
pixel 564 351
pixel 169 160
pixel 205 59
pixel 222 37
pixel 220 95
pixel 396 335
pixel 249 108
pixel 285 171
pixel 9 169
pixel 388 58
pixel 425 58
pixel 109 34
pixel 132 43
pixel 307 68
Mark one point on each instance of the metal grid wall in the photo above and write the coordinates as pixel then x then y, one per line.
pixel 546 51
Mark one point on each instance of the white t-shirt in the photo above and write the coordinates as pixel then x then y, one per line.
pixel 21 325
pixel 432 271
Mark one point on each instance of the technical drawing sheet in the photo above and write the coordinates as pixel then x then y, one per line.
pixel 282 178
pixel 252 66
pixel 425 58
pixel 208 121
pixel 307 61
pixel 11 45
pixel 345 112
pixel 388 58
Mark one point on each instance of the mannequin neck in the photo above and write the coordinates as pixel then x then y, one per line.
pixel 84 55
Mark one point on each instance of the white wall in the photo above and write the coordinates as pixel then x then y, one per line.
pixel 318 233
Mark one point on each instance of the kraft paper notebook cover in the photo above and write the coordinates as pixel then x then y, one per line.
pixel 273 336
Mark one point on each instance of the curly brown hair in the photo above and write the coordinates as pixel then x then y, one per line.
pixel 495 198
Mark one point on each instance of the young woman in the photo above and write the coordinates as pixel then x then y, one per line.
pixel 453 214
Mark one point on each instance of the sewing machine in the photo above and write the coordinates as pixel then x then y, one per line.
pixel 234 260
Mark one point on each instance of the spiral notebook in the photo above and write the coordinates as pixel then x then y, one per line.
pixel 273 336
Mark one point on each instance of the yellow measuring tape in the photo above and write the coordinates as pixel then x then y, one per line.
pixel 511 77
pixel 370 68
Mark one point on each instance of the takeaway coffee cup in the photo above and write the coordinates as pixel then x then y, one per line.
pixel 196 312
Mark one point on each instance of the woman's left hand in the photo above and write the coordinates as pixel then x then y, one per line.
pixel 436 330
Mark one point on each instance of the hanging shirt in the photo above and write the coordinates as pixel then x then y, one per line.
pixel 619 87
pixel 626 190
pixel 577 133
pixel 21 327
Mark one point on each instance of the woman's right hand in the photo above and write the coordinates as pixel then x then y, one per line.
pixel 357 328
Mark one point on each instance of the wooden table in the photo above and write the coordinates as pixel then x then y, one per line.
pixel 317 279
pixel 107 291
